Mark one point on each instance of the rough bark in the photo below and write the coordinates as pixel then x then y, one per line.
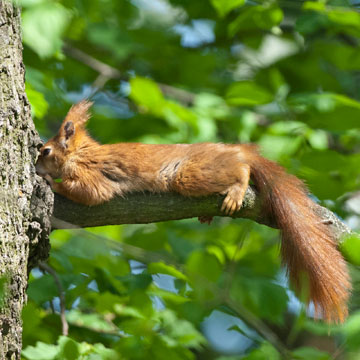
pixel 142 208
pixel 24 215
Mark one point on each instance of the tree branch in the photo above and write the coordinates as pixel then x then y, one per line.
pixel 143 208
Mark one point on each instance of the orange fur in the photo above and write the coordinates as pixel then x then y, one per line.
pixel 92 173
pixel 308 249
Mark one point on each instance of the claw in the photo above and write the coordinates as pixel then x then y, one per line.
pixel 225 204
pixel 232 203
pixel 236 191
pixel 238 206
pixel 228 206
pixel 233 207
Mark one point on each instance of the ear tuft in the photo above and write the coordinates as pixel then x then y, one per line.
pixel 79 113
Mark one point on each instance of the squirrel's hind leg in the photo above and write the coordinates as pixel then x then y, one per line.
pixel 235 193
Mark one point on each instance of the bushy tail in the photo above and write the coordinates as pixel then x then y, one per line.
pixel 307 247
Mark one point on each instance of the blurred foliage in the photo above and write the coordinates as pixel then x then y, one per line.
pixel 284 74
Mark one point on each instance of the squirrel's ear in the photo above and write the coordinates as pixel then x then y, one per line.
pixel 69 129
pixel 66 133
pixel 79 113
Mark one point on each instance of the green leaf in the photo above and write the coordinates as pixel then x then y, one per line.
pixel 162 268
pixel 41 351
pixel 261 296
pixel 309 23
pixel 275 147
pixel 351 331
pixel 339 18
pixel 345 17
pixel 203 270
pixel 69 349
pixel 147 94
pixel 176 114
pixel 265 352
pixel 183 332
pixel 203 265
pixel 328 110
pixel 223 7
pixel 247 93
pixel 127 311
pixel 266 18
pixel 82 247
pixel 343 56
pixel 210 105
pixel 287 128
pixel 90 321
pixel 306 353
pixel 314 5
pixel 256 18
pixel 350 247
pixel 238 329
pixel 39 105
pixel 43 26
pixel 337 171
pixel 169 297
pixel 101 353
pixel 42 289
pixel 318 139
pixel 118 42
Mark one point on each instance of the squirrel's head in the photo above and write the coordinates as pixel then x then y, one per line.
pixel 71 135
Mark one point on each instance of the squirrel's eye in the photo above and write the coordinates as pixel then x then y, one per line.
pixel 46 152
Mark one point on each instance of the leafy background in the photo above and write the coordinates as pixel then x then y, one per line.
pixel 281 73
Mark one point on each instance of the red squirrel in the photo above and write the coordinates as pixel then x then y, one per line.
pixel 92 173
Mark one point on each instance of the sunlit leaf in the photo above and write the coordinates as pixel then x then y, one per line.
pixel 146 93
pixel 162 268
pixel 274 146
pixel 90 321
pixel 351 248
pixel 223 7
pixel 41 351
pixel 43 26
pixel 247 93
pixel 38 103
pixel 182 331
pixel 256 18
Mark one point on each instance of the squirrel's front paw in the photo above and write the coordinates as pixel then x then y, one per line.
pixel 49 179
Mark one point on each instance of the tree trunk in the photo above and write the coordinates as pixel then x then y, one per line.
pixel 24 203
